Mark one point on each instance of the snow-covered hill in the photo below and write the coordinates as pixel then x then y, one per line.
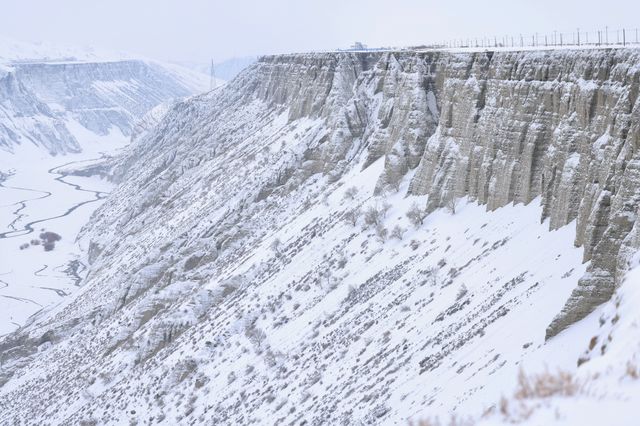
pixel 47 92
pixel 352 238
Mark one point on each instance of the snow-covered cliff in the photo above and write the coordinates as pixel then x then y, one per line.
pixel 275 251
pixel 42 103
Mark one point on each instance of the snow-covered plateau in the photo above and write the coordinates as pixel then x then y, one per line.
pixel 357 238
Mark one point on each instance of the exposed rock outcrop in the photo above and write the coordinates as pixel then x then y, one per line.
pixel 561 126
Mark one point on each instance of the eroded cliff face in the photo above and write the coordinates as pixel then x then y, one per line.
pixel 26 119
pixel 42 103
pixel 103 95
pixel 495 127
pixel 563 126
pixel 234 264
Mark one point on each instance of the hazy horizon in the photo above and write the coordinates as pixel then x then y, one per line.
pixel 197 30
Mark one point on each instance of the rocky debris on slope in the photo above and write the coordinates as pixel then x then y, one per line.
pixel 188 294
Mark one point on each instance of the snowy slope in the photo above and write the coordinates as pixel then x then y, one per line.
pixel 604 390
pixel 347 239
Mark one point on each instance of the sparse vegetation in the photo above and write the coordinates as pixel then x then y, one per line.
pixel 382 233
pixel 397 232
pixel 374 215
pixel 352 216
pixel 451 202
pixel 416 215
pixel 545 385
pixel 276 246
pixel 350 193
pixel 462 291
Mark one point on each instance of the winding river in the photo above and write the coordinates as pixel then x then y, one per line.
pixel 42 195
pixel 27 228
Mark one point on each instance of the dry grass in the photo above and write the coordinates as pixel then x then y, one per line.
pixel 546 384
pixel 632 370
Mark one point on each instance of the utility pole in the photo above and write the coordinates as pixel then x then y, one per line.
pixel 624 37
pixel 212 82
pixel 578 36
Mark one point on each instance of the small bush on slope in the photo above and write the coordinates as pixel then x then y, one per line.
pixel 545 385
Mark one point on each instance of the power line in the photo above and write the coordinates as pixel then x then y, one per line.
pixel 212 82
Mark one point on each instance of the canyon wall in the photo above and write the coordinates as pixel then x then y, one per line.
pixel 41 102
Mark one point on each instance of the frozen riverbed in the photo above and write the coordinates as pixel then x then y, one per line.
pixel 38 194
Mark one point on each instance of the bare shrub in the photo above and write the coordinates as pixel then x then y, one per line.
pixel 397 232
pixel 50 237
pixel 416 215
pixel 276 246
pixel 545 385
pixel 350 193
pixel 451 202
pixel 632 370
pixel 504 406
pixel 352 216
pixel 373 216
pixel 382 233
pixel 462 292
pixel 431 276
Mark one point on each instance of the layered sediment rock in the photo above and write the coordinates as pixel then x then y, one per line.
pixel 563 126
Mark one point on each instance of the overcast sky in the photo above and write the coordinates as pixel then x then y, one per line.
pixel 201 29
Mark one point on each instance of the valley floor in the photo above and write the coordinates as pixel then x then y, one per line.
pixel 38 194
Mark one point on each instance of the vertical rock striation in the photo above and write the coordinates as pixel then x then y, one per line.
pixel 499 128
pixel 562 126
